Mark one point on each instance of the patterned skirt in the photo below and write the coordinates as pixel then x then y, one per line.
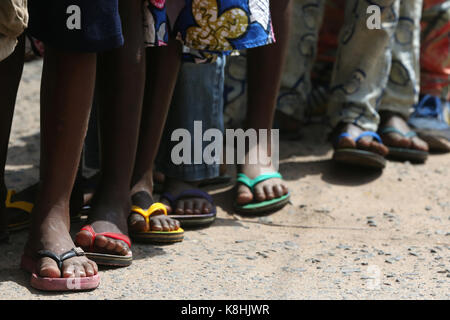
pixel 208 27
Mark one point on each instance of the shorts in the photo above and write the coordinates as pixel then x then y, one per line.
pixel 76 25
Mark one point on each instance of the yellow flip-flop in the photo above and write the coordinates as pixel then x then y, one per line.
pixel 155 236
pixel 24 207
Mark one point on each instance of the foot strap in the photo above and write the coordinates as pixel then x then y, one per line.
pixel 112 235
pixel 154 208
pixel 362 135
pixel 411 134
pixel 59 259
pixel 251 183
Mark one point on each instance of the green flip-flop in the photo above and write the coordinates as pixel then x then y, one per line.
pixel 262 207
pixel 404 154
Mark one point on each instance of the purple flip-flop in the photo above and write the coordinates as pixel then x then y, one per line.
pixel 193 220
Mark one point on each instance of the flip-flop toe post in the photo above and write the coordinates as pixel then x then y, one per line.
pixel 263 207
pixel 405 154
pixel 112 260
pixel 192 220
pixel 58 284
pixel 153 236
pixel 363 158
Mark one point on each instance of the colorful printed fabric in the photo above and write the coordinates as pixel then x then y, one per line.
pixel 435 56
pixel 209 26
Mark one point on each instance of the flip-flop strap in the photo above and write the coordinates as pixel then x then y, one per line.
pixel 387 130
pixel 157 206
pixel 59 259
pixel 242 178
pixel 22 205
pixel 194 193
pixel 362 135
pixel 112 235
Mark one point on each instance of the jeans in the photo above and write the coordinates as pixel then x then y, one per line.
pixel 198 96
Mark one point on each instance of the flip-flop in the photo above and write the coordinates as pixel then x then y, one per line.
pixel 222 179
pixel 191 220
pixel 105 259
pixel 25 207
pixel 262 207
pixel 58 284
pixel 404 154
pixel 153 236
pixel 359 157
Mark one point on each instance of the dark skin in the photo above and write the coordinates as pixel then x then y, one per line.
pixel 263 86
pixel 121 71
pixel 65 106
pixel 10 74
pixel 391 119
pixel 365 143
pixel 163 64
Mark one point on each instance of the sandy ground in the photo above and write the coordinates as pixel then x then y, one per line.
pixel 348 234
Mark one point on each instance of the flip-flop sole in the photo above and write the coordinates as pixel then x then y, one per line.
pixel 403 154
pixel 264 207
pixel 192 221
pixel 436 143
pixel 109 260
pixel 360 158
pixel 158 237
pixel 58 284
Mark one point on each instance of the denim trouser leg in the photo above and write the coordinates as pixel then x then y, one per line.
pixel 198 96
pixel 363 64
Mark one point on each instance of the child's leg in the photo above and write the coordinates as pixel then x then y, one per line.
pixel 120 84
pixel 198 96
pixel 402 91
pixel 163 64
pixel 68 81
pixel 10 74
pixel 264 75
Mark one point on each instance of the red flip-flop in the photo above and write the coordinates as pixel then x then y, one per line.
pixel 58 284
pixel 108 259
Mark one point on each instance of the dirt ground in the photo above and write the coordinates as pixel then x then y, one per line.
pixel 348 233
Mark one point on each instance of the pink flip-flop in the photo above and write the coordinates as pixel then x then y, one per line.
pixel 58 284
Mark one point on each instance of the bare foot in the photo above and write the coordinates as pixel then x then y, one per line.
pixel 108 214
pixel 185 205
pixel 53 234
pixel 393 139
pixel 365 143
pixel 265 190
pixel 158 222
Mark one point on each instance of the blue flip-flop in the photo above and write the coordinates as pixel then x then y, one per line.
pixel 359 157
pixel 262 207
pixel 193 220
pixel 404 154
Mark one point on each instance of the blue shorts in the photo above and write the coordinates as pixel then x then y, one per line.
pixel 100 28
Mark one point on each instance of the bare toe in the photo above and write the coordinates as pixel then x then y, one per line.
pixel 48 268
pixel 244 195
